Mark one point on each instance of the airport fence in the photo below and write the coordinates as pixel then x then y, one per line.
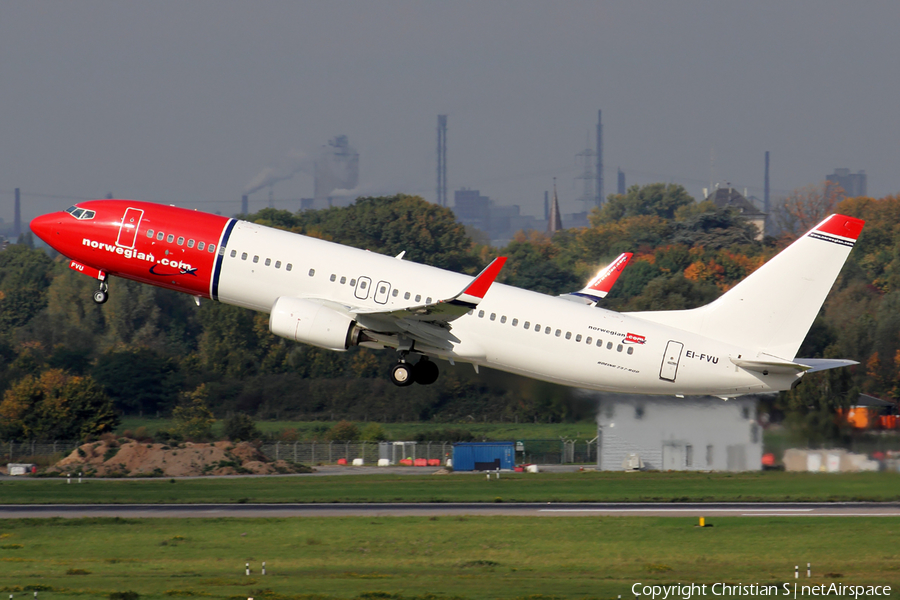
pixel 527 451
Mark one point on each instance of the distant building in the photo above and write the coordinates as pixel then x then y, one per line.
pixel 472 209
pixel 678 434
pixel 854 184
pixel 731 198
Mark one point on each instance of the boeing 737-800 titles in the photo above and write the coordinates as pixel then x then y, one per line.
pixel 333 296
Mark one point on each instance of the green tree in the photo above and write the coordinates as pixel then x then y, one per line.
pixel 240 427
pixel 138 380
pixel 658 199
pixel 57 406
pixel 193 420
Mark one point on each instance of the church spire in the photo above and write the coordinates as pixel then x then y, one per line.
pixel 554 224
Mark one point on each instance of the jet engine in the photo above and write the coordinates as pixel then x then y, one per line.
pixel 312 323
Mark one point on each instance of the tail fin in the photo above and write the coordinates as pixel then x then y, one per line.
pixel 774 307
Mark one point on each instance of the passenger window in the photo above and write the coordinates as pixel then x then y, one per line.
pixel 599 343
pixel 578 338
pixel 160 236
pixel 537 327
pixel 428 300
pixel 527 325
pixel 418 297
pixel 609 345
pixel 268 261
pixel 233 253
pixel 630 349
pixel 149 233
pixel 547 330
pixel 180 241
pixel 493 316
pixel 221 249
pixel 170 238
pixel 243 256
pixel 503 319
pixel 190 243
pixel 343 280
pixel 406 296
pixel 289 267
pixel 255 258
pixel 558 332
pixel 619 348
pixel 332 278
pixel 515 322
pixel 568 335
pixel 211 248
pixel 480 314
pixel 277 264
pixel 312 273
pixel 352 283
pixel 200 245
pixel 588 341
pixel 395 293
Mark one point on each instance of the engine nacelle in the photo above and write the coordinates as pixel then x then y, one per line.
pixel 311 323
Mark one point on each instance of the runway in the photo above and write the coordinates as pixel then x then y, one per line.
pixel 668 509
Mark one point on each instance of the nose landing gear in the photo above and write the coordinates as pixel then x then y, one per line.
pixel 102 295
pixel 423 372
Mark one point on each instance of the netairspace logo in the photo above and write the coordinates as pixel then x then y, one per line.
pixel 133 254
pixel 792 590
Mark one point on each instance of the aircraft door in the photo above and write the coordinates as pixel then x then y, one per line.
pixel 382 291
pixel 670 361
pixel 362 287
pixel 129 226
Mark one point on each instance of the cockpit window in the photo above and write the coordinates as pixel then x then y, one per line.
pixel 80 213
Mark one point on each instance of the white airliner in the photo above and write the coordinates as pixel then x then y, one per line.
pixel 333 296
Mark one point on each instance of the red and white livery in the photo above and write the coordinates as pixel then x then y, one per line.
pixel 335 297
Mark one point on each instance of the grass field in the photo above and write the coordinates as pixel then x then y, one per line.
pixel 520 487
pixel 583 430
pixel 467 557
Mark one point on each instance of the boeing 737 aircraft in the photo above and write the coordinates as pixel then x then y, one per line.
pixel 333 296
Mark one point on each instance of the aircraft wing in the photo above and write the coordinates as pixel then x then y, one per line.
pixel 599 286
pixel 430 323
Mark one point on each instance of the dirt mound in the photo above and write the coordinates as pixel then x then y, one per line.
pixel 136 459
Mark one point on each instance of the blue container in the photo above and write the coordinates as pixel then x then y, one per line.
pixel 483 456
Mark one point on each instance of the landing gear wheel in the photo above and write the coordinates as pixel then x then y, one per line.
pixel 402 374
pixel 100 296
pixel 426 372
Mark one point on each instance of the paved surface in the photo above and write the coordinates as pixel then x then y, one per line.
pixel 708 510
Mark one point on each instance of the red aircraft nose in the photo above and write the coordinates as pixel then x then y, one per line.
pixel 46 227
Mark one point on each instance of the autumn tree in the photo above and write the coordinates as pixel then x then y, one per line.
pixel 56 405
pixel 805 207
pixel 192 418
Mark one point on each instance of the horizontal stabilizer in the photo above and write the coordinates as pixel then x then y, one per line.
pixel 823 364
pixel 800 365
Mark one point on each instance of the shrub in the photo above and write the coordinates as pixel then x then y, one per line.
pixel 240 427
pixel 129 595
pixel 344 431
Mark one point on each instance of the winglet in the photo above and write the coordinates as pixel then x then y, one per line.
pixel 476 290
pixel 600 285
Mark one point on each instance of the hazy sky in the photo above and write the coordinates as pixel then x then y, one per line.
pixel 185 102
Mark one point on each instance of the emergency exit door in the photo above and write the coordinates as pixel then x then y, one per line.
pixel 670 361
pixel 129 226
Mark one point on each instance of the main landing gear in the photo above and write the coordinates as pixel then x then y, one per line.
pixel 102 295
pixel 423 372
